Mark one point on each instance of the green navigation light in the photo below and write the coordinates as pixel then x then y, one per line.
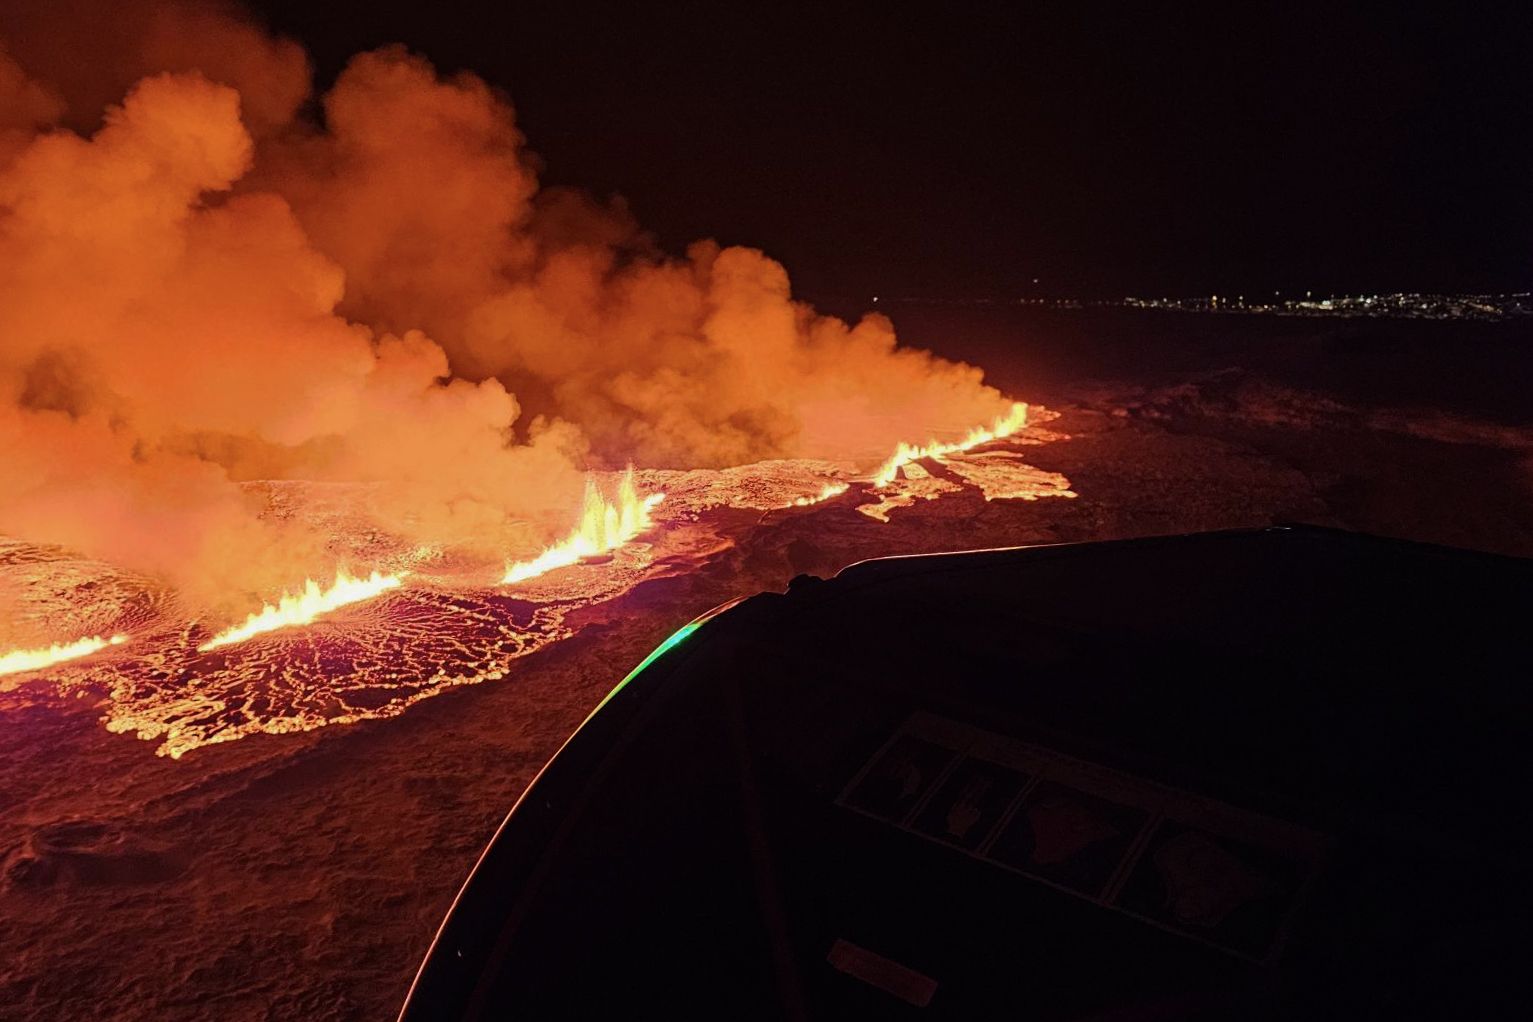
pixel 659 651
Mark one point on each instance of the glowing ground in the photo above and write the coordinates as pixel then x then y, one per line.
pixel 436 624
pixel 300 875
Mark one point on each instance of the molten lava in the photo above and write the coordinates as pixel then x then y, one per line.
pixel 1004 426
pixel 303 607
pixel 603 528
pixel 828 491
pixel 238 332
pixel 35 659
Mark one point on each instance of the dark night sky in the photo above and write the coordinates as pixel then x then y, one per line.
pixel 963 150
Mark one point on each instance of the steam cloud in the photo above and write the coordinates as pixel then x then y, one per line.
pixel 202 285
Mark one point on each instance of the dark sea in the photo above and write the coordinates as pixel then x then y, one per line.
pixel 1475 369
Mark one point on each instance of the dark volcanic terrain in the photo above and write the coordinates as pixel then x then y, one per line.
pixel 301 875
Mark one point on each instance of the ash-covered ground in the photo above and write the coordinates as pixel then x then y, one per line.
pixel 300 871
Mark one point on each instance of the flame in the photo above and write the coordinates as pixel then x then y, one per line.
pixel 906 453
pixel 603 527
pixel 35 659
pixel 828 491
pixel 303 607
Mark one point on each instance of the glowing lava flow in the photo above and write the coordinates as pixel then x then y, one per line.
pixel 828 491
pixel 303 607
pixel 35 659
pixel 905 453
pixel 603 528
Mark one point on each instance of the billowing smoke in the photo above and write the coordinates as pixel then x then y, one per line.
pixel 201 286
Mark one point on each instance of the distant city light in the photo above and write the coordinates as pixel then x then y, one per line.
pixel 1399 305
pixel 1402 305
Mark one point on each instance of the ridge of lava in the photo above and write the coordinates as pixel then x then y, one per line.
pixel 452 624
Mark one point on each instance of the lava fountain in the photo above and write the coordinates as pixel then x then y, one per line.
pixel 604 526
pixel 36 659
pixel 827 491
pixel 272 342
pixel 905 454
pixel 304 606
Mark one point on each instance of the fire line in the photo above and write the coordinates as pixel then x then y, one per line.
pixel 36 659
pixel 304 606
pixel 1004 426
pixel 603 527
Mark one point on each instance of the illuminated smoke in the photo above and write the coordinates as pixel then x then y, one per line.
pixel 200 287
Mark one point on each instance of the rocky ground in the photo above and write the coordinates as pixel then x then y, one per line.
pixel 301 876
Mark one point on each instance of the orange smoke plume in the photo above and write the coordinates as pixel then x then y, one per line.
pixel 201 288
